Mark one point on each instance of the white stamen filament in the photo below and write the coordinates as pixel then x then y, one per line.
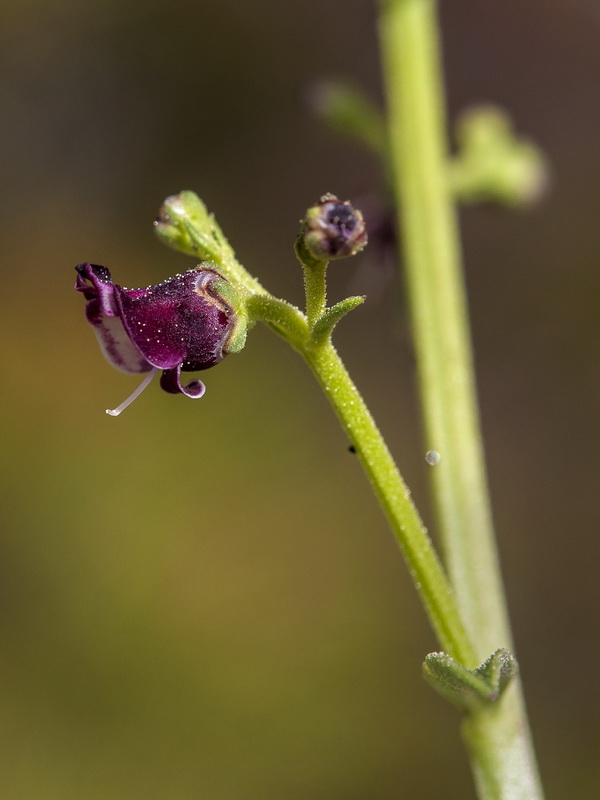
pixel 114 412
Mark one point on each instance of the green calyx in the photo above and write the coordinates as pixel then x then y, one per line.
pixel 236 310
pixel 184 224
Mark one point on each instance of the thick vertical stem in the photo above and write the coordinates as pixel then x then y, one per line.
pixel 497 739
pixel 439 317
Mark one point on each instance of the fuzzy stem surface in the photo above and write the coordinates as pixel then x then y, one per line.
pixel 394 496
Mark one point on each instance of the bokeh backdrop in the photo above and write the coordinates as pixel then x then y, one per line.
pixel 201 600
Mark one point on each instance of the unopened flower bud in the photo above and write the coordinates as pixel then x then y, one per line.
pixel 182 222
pixel 333 229
pixel 493 163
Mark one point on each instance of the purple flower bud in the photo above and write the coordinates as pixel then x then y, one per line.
pixel 332 229
pixel 189 322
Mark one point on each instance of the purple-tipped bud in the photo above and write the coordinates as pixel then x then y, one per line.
pixel 333 229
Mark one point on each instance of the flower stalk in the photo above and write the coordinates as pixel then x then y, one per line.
pixel 394 497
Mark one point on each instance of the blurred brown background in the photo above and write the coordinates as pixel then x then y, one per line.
pixel 201 600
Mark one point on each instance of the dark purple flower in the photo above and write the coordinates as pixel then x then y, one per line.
pixel 189 322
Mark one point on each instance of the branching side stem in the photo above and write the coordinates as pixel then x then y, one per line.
pixel 394 496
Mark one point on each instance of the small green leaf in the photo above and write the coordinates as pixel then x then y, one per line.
pixel 497 671
pixel 324 326
pixel 469 688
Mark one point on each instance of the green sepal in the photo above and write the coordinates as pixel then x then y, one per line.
pixel 200 243
pixel 324 326
pixel 184 224
pixel 470 688
pixel 234 300
pixel 304 256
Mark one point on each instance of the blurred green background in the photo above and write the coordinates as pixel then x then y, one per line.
pixel 201 600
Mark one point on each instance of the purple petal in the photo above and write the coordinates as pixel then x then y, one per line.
pixel 101 289
pixel 176 322
pixel 180 324
pixel 102 313
pixel 170 381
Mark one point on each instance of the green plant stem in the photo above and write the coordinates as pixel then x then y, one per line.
pixel 314 285
pixel 394 497
pixel 301 332
pixel 497 737
pixel 439 317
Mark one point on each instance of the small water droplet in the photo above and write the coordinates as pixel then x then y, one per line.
pixel 432 457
